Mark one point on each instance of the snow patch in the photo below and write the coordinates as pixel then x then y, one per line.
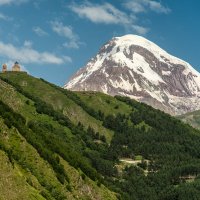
pixel 123 84
pixel 166 73
pixel 148 73
pixel 105 89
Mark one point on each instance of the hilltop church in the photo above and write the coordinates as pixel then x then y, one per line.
pixel 15 68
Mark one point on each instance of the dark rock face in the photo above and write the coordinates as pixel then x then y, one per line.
pixel 135 67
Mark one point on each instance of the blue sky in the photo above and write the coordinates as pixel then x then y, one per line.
pixel 52 39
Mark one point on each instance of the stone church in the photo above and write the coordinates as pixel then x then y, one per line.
pixel 15 68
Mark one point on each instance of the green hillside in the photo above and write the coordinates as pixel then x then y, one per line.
pixel 31 174
pixel 57 144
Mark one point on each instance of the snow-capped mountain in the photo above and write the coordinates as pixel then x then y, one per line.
pixel 136 67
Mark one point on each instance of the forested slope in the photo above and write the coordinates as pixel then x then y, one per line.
pixel 57 144
pixel 40 156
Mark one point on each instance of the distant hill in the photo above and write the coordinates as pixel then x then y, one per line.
pixel 56 144
pixel 136 67
pixel 192 118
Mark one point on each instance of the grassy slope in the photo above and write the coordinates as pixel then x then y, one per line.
pixel 105 103
pixel 108 105
pixel 18 103
pixel 24 177
pixel 58 100
pixel 13 185
pixel 33 165
pixel 86 189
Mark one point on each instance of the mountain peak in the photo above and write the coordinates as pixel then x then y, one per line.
pixel 133 39
pixel 137 40
pixel 133 66
pixel 130 37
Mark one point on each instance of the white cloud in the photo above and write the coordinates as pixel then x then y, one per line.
pixel 28 44
pixel 66 32
pixel 39 31
pixel 26 54
pixel 138 6
pixel 139 29
pixel 107 14
pixel 4 17
pixel 60 29
pixel 71 45
pixel 67 59
pixel 8 2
